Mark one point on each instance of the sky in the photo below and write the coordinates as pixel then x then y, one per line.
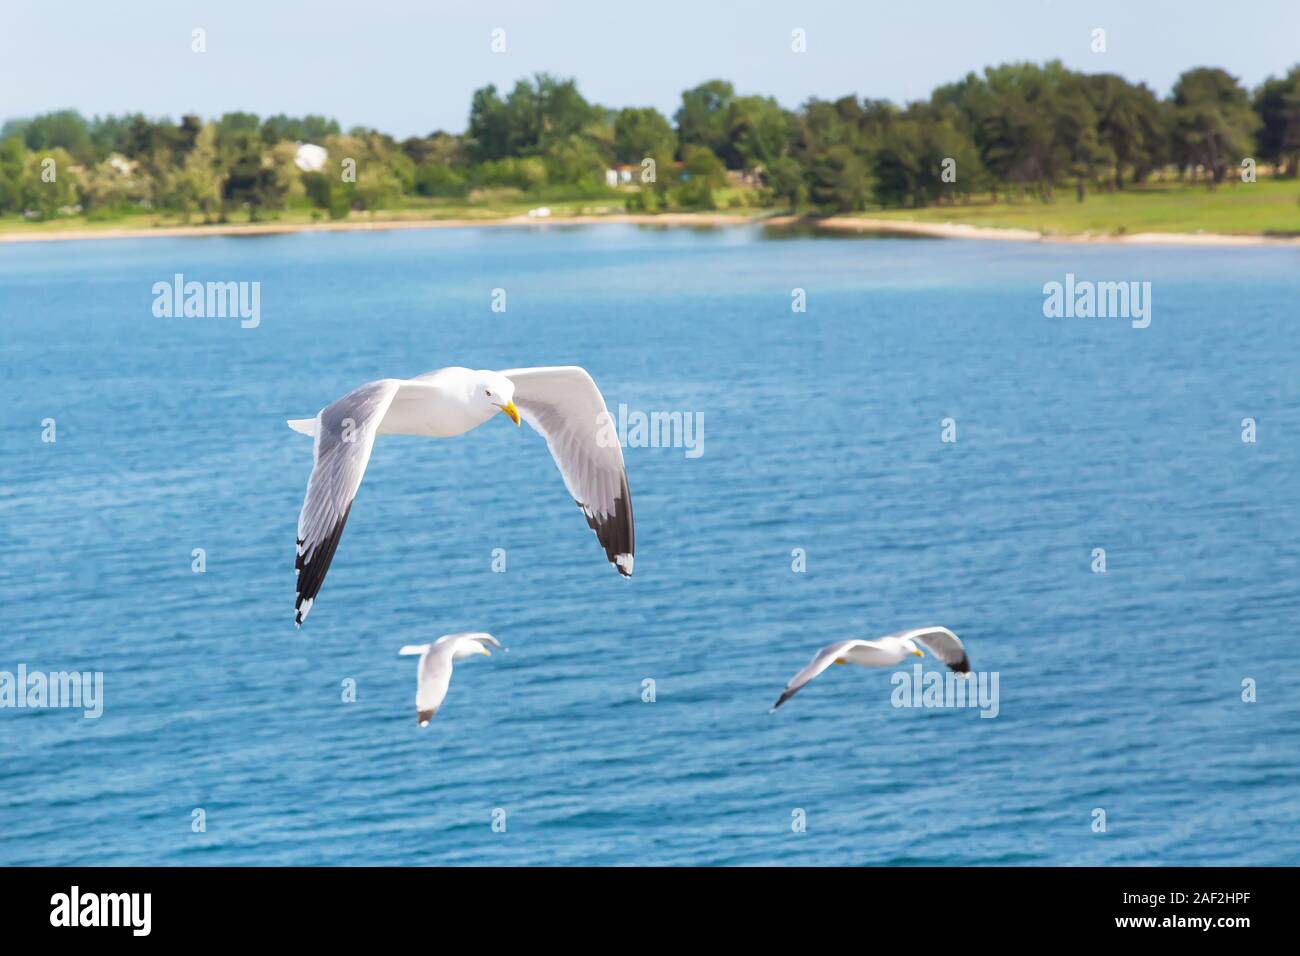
pixel 408 68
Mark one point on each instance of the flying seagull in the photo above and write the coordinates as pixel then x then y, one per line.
pixel 882 652
pixel 435 667
pixel 561 403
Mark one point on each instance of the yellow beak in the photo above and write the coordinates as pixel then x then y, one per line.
pixel 509 409
pixel 918 653
pixel 486 652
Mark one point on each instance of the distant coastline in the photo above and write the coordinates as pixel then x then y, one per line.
pixel 850 224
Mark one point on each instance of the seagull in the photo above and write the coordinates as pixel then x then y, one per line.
pixel 561 403
pixel 882 652
pixel 435 667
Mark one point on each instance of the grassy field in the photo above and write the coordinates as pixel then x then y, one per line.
pixel 1267 207
pixel 431 209
pixel 485 206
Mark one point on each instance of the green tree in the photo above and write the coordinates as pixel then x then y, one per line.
pixel 640 132
pixel 1131 125
pixel 527 173
pixel 63 129
pixel 576 161
pixel 13 163
pixel 759 133
pixel 787 183
pixel 1214 125
pixel 48 182
pixel 203 176
pixel 438 179
pixel 535 116
pixel 1014 115
pixel 108 135
pixel 231 123
pixel 838 180
pixel 384 173
pixel 1277 103
pixel 111 186
pixel 442 148
pixel 489 131
pixel 306 129
pixel 835 143
pixel 253 177
pixel 924 157
pixel 656 182
pixel 702 174
pixel 1085 152
pixel 703 119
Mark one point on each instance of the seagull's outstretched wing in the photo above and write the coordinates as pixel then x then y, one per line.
pixel 345 433
pixel 942 643
pixel 822 660
pixel 564 405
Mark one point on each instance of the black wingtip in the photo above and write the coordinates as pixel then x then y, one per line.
pixel 310 567
pixel 615 531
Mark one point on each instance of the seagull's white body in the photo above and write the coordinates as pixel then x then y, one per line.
pixel 438 405
pixel 882 652
pixel 435 667
pixel 885 652
pixel 561 403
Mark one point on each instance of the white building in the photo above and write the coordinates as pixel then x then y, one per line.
pixel 310 158
pixel 619 175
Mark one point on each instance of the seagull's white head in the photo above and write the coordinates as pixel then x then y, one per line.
pixel 493 392
pixel 473 645
pixel 909 645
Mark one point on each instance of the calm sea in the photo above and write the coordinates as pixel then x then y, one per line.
pixel 1119 692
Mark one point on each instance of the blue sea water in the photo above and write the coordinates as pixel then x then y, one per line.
pixel 1119 691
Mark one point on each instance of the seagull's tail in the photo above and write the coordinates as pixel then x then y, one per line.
pixel 306 426
pixel 413 649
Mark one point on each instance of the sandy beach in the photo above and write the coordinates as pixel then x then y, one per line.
pixel 953 230
pixel 946 230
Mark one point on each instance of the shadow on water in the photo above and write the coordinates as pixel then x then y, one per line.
pixel 812 229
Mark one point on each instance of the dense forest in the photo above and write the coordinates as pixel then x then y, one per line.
pixel 1016 131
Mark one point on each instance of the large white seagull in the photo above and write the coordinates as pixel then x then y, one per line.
pixel 561 403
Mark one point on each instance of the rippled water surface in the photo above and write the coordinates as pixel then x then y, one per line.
pixel 1120 691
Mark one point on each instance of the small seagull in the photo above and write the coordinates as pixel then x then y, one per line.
pixel 435 667
pixel 561 403
pixel 883 652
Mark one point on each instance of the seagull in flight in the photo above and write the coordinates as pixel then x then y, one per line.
pixel 883 652
pixel 562 403
pixel 435 667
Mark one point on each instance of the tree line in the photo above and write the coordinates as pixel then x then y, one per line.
pixel 1019 130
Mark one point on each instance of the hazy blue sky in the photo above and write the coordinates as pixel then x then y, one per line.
pixel 408 67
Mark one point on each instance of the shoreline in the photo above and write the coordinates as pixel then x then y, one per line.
pixel 954 230
pixel 931 230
